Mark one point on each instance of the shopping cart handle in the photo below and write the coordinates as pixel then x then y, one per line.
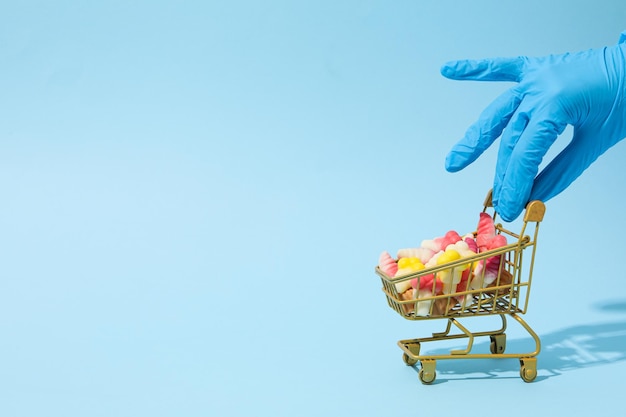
pixel 534 210
pixel 488 202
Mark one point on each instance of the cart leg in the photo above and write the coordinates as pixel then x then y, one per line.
pixel 411 351
pixel 427 373
pixel 498 343
pixel 408 360
pixel 531 332
pixel 528 369
pixel 445 332
pixel 503 328
pixel 468 334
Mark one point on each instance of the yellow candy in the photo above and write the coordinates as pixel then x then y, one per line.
pixel 407 266
pixel 410 263
pixel 449 255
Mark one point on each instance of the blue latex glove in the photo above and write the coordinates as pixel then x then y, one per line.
pixel 585 89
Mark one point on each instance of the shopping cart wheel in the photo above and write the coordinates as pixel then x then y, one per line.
pixel 427 372
pixel 498 343
pixel 408 360
pixel 528 369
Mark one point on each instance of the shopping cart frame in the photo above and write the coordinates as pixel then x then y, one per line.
pixel 507 296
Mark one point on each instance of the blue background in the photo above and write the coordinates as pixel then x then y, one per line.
pixel 194 196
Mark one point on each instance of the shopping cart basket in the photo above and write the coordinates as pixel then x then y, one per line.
pixel 507 295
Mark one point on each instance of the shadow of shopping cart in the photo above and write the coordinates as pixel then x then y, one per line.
pixel 565 350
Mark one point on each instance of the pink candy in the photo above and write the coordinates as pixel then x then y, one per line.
pixel 486 271
pixel 497 242
pixel 440 243
pixel 387 264
pixel 426 283
pixel 471 244
pixel 450 239
pixel 485 232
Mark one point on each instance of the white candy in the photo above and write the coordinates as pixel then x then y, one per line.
pixel 423 307
pixel 408 253
pixel 431 244
pixel 433 260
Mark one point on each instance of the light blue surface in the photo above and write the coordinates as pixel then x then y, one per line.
pixel 195 195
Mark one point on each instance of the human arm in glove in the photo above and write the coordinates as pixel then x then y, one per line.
pixel 586 89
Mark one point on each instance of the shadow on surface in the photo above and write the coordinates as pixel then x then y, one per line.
pixel 568 349
pixel 614 306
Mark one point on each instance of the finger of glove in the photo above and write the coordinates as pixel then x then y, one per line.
pixel 508 142
pixel 481 134
pixel 495 69
pixel 522 154
pixel 566 167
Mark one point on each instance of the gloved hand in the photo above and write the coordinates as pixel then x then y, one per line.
pixel 586 90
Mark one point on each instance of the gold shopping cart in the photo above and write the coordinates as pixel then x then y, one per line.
pixel 507 295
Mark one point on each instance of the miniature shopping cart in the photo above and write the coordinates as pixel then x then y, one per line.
pixel 507 295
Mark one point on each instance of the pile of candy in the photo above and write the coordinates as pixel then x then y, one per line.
pixel 442 250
